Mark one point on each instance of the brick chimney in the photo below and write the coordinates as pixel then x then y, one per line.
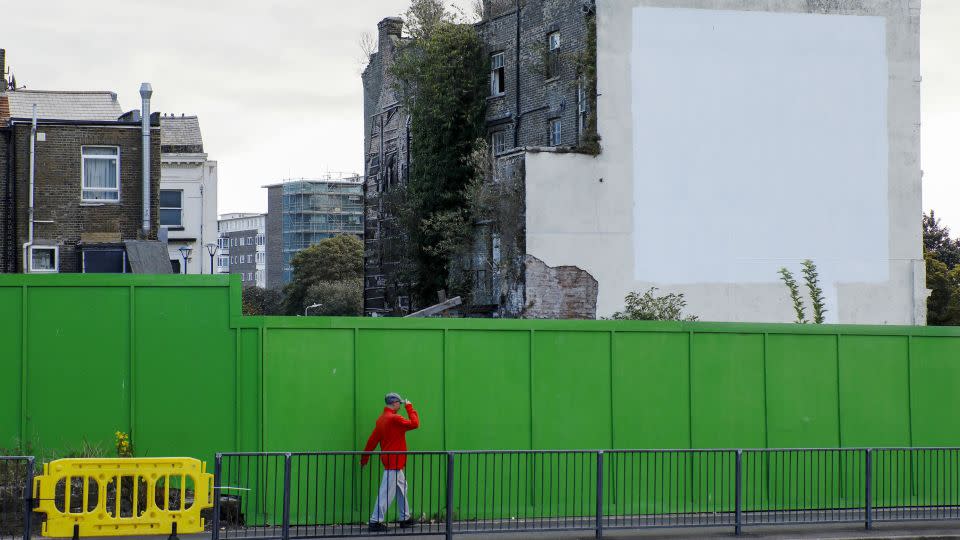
pixel 388 28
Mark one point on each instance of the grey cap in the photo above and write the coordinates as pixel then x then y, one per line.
pixel 392 397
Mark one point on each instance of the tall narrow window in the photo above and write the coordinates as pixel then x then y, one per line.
pixel 100 166
pixel 498 143
pixel 553 55
pixel 583 106
pixel 554 132
pixel 171 208
pixel 498 85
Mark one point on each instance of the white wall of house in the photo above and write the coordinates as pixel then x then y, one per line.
pixel 196 178
pixel 739 137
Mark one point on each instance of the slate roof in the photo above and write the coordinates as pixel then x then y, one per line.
pixel 63 105
pixel 180 134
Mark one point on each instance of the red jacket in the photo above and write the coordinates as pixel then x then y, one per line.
pixel 391 434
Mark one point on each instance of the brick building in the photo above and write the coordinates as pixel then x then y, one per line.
pixel 87 185
pixel 540 97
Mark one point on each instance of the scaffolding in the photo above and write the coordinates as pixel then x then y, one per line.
pixel 315 209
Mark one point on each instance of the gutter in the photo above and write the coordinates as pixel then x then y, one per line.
pixel 33 142
pixel 50 121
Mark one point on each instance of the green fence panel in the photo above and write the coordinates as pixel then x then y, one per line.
pixel 874 391
pixel 78 362
pixel 651 390
pixel 571 391
pixel 487 389
pixel 308 384
pixel 934 379
pixel 184 374
pixel 11 364
pixel 727 387
pixel 802 404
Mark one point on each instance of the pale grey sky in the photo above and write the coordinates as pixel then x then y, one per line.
pixel 276 84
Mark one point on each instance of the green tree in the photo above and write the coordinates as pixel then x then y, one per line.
pixel 650 307
pixel 942 256
pixel 441 79
pixel 342 297
pixel 936 240
pixel 331 260
pixel 943 305
pixel 260 301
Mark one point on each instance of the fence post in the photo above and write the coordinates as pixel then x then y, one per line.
pixel 738 497
pixel 450 465
pixel 599 533
pixel 285 530
pixel 868 490
pixel 217 470
pixel 28 500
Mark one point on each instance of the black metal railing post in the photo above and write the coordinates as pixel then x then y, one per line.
pixel 599 524
pixel 217 472
pixel 868 489
pixel 450 465
pixel 738 494
pixel 285 529
pixel 28 500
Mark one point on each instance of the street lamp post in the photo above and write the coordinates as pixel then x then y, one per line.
pixel 185 253
pixel 212 250
pixel 311 306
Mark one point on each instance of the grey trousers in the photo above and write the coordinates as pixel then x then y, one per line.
pixel 394 484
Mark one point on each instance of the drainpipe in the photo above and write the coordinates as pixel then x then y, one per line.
pixel 145 92
pixel 516 82
pixel 33 154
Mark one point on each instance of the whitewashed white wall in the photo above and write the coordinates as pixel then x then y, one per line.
pixel 739 138
pixel 197 177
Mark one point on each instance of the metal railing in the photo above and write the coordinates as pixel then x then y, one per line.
pixel 265 496
pixel 16 494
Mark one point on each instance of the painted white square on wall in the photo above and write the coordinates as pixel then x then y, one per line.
pixel 760 139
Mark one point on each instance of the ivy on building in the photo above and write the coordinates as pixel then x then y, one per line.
pixel 441 80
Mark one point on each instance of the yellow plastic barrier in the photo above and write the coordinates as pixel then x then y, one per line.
pixel 123 496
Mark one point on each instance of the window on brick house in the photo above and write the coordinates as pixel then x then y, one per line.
pixel 498 142
pixel 171 208
pixel 498 85
pixel 554 132
pixel 44 259
pixel 99 168
pixel 553 55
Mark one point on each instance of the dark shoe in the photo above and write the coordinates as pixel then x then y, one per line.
pixel 407 523
pixel 378 527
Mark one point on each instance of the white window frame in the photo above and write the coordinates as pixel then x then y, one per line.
pixel 499 146
pixel 582 105
pixel 56 260
pixel 83 174
pixel 173 208
pixel 553 52
pixel 498 74
pixel 555 132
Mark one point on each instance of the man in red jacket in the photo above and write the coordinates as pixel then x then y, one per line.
pixel 390 433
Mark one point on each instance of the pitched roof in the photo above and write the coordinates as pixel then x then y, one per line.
pixel 61 105
pixel 180 134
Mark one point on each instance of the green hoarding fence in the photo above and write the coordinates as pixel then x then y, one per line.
pixel 171 360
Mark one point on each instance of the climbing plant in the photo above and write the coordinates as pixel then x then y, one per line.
pixel 440 77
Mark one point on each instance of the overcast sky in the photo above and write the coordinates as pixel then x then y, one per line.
pixel 276 84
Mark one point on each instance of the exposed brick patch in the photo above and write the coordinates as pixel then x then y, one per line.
pixel 562 292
